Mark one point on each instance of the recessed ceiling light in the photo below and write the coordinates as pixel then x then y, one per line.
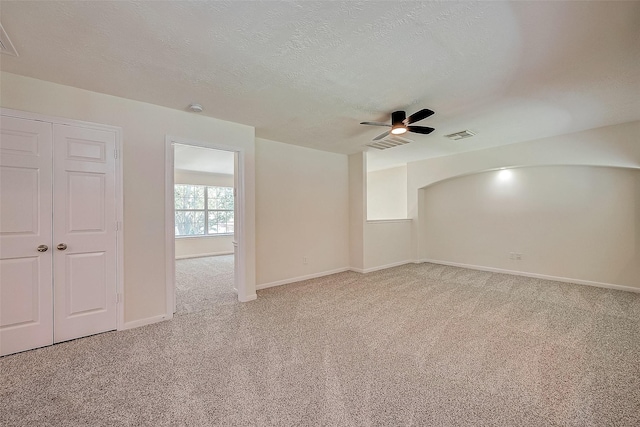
pixel 195 108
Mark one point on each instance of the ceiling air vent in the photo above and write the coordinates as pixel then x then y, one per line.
pixel 460 135
pixel 389 142
pixel 5 43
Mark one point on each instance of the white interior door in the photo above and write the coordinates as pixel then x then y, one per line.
pixel 26 306
pixel 84 230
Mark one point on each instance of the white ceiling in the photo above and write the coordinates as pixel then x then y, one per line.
pixel 307 72
pixel 198 159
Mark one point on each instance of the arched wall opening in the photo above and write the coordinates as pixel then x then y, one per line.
pixel 580 223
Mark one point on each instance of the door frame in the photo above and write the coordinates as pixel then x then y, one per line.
pixel 240 222
pixel 119 191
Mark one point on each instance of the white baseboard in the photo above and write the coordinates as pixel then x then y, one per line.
pixel 381 267
pixel 144 322
pixel 203 255
pixel 248 298
pixel 535 275
pixel 301 278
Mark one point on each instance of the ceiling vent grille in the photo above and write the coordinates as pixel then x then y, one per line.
pixel 5 43
pixel 460 135
pixel 389 142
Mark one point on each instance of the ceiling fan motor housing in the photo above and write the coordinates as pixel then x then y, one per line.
pixel 397 117
pixel 397 122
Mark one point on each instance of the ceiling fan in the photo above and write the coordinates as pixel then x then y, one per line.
pixel 400 123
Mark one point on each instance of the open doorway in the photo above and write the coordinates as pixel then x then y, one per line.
pixel 204 227
pixel 203 199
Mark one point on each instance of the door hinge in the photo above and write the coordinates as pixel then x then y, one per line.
pixel 117 225
pixel 115 154
pixel 118 297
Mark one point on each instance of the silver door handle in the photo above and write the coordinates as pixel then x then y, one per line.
pixel 42 248
pixel 61 246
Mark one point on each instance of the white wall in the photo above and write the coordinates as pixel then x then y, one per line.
pixel 357 210
pixel 388 243
pixel 575 222
pixel 145 127
pixel 194 247
pixel 374 244
pixel 387 193
pixel 302 202
pixel 188 247
pixel 615 145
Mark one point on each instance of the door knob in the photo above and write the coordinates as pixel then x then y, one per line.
pixel 62 246
pixel 42 248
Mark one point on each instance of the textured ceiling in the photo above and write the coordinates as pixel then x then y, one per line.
pixel 307 72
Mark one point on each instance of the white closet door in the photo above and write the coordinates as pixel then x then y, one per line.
pixel 26 306
pixel 84 230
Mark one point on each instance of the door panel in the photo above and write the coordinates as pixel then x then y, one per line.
pixel 26 305
pixel 87 290
pixel 20 302
pixel 84 220
pixel 86 217
pixel 19 215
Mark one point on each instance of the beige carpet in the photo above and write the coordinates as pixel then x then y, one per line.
pixel 202 283
pixel 421 345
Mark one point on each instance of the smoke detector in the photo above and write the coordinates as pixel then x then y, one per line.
pixel 5 43
pixel 195 108
pixel 460 135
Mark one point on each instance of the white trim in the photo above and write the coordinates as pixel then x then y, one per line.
pixel 240 234
pixel 120 322
pixel 143 322
pixel 535 275
pixel 240 222
pixel 57 120
pixel 301 278
pixel 247 298
pixel 204 255
pixel 203 236
pixel 170 229
pixel 119 192
pixel 381 267
pixel 385 221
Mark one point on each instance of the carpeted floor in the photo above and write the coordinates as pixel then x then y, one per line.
pixel 422 345
pixel 203 283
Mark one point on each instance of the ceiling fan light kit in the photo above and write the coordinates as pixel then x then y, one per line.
pixel 400 124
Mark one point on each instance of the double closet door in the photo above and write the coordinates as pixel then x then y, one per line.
pixel 57 233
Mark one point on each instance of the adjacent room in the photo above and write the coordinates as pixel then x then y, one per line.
pixel 204 227
pixel 268 213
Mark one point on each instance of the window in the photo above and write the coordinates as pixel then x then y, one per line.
pixel 203 210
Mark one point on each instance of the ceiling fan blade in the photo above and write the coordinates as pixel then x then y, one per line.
pixel 375 124
pixel 420 129
pixel 379 137
pixel 417 116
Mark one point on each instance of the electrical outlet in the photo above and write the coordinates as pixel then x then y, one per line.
pixel 305 261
